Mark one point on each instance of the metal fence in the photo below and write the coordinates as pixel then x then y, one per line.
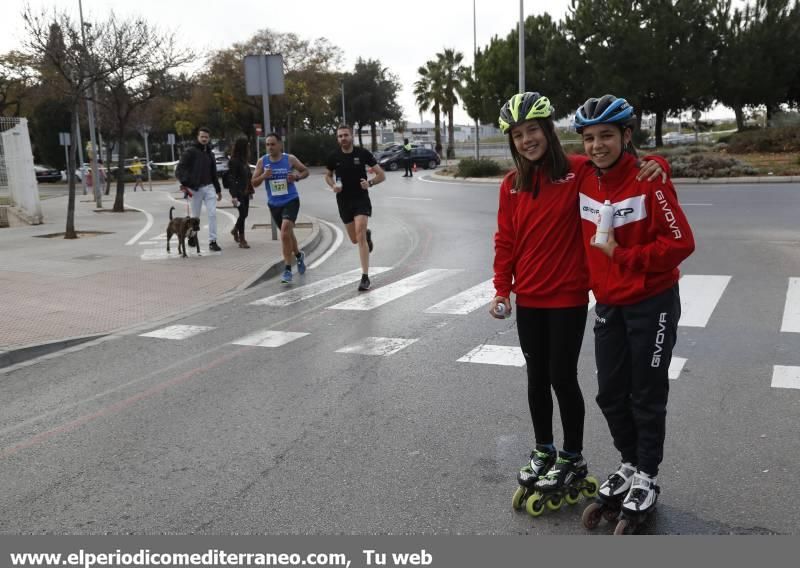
pixel 17 177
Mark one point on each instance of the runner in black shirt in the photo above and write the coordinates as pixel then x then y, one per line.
pixel 349 165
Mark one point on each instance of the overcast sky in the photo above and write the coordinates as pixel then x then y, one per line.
pixel 403 35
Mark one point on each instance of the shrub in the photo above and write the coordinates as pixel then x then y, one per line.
pixel 707 165
pixel 485 167
pixel 781 139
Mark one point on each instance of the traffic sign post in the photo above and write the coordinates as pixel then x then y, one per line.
pixel 64 140
pixel 263 75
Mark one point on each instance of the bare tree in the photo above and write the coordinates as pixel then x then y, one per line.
pixel 140 60
pixel 54 41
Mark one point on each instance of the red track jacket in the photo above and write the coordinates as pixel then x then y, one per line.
pixel 538 241
pixel 650 228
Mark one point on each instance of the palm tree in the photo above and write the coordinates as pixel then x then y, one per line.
pixel 452 72
pixel 427 90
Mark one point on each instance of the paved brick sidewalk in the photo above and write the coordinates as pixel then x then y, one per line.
pixel 53 290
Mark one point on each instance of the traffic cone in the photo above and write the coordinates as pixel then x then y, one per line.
pixel 414 167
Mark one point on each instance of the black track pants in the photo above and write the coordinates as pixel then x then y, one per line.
pixel 244 208
pixel 633 349
pixel 551 342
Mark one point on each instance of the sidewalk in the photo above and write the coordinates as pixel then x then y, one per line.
pixel 55 292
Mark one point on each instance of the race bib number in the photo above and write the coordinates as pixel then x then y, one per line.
pixel 279 186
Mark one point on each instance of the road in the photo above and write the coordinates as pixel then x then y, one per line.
pixel 374 414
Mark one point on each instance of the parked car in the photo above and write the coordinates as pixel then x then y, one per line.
pixel 222 162
pixel 46 173
pixel 424 158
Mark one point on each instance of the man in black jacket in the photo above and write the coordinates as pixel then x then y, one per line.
pixel 197 170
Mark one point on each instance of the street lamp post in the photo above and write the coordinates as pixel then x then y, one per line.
pixel 521 48
pixel 344 116
pixel 90 112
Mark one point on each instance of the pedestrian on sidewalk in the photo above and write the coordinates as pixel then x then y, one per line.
pixel 240 185
pixel 407 158
pixel 634 276
pixel 539 255
pixel 101 173
pixel 351 186
pixel 281 172
pixel 197 170
pixel 136 169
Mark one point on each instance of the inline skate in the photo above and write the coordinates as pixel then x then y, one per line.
pixel 566 481
pixel 610 496
pixel 639 504
pixel 539 464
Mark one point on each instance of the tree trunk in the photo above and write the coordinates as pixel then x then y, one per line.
pixel 109 157
pixel 374 132
pixel 477 140
pixel 119 199
pixel 659 124
pixel 437 129
pixel 451 137
pixel 360 142
pixel 69 231
pixel 737 110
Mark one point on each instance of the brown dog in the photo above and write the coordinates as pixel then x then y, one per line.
pixel 183 228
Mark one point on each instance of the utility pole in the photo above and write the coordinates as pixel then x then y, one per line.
pixel 344 115
pixel 521 48
pixel 475 75
pixel 90 112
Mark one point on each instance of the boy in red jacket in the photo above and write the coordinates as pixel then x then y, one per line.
pixel 634 276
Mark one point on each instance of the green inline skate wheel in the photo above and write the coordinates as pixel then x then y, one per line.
pixel 535 505
pixel 590 487
pixel 518 500
pixel 554 502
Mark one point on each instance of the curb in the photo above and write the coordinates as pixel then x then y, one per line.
pixel 34 351
pixel 682 181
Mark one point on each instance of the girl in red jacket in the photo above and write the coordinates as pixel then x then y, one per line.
pixel 539 255
pixel 634 276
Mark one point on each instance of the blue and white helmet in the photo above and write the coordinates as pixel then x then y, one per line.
pixel 608 109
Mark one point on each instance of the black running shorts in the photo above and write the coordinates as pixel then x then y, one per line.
pixel 349 208
pixel 289 211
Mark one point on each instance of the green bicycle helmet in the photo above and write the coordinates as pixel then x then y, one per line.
pixel 522 107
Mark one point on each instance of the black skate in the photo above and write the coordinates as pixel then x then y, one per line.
pixel 539 464
pixel 639 504
pixel 566 481
pixel 609 498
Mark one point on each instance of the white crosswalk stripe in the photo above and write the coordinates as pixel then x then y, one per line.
pixel 178 332
pixel 699 296
pixel 495 355
pixel 784 377
pixel 316 288
pixel 676 366
pixel 379 346
pixel 791 311
pixel 465 302
pixel 385 294
pixel 269 338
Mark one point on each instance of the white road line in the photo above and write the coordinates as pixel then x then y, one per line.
pixel 337 243
pixel 495 355
pixel 413 198
pixel 379 296
pixel 592 300
pixel 316 288
pixel 268 338
pixel 147 225
pixel 177 331
pixel 699 296
pixel 785 377
pixel 379 346
pixel 467 301
pixel 676 366
pixel 791 313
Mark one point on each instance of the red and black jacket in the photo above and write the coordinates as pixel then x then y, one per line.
pixel 650 228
